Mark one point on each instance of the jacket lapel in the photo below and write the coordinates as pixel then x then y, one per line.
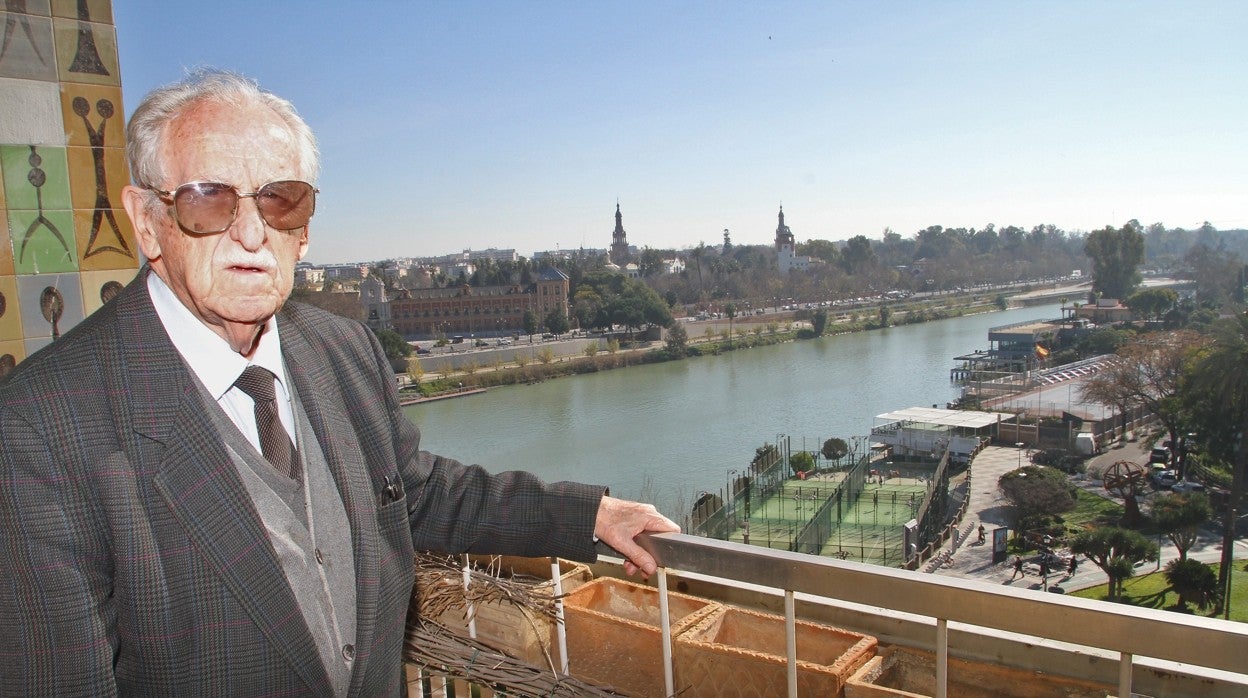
pixel 320 391
pixel 201 486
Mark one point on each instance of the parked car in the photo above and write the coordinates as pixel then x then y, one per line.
pixel 1185 486
pixel 1159 455
pixel 504 342
pixel 422 350
pixel 1164 479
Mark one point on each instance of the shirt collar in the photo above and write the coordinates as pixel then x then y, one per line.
pixel 210 357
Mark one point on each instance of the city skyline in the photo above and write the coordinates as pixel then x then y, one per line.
pixel 475 125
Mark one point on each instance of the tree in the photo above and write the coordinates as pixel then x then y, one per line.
pixel 677 340
pixel 530 324
pixel 1036 490
pixel 397 350
pixel 1194 582
pixel 857 256
pixel 556 321
pixel 1116 551
pixel 1180 517
pixel 1116 256
pixel 834 449
pixel 1217 388
pixel 1147 373
pixel 1152 303
pixel 802 462
pixel 819 322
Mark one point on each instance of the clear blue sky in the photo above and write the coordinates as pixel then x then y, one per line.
pixel 447 125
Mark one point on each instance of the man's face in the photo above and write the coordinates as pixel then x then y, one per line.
pixel 236 280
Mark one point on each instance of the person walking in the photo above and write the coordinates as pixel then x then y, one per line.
pixel 1018 568
pixel 982 534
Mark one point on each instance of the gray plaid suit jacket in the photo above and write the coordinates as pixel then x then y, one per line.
pixel 132 561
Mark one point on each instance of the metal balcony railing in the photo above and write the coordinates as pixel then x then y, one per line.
pixel 1083 631
pixel 1128 631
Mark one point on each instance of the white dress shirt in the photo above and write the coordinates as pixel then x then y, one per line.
pixel 217 365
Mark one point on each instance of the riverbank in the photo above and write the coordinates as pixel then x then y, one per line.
pixel 747 332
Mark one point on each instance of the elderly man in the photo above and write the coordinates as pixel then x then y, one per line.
pixel 207 490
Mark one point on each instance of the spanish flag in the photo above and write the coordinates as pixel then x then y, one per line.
pixel 1042 352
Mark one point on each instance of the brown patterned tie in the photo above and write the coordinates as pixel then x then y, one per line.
pixel 275 443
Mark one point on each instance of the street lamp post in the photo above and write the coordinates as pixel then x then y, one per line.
pixel 1020 445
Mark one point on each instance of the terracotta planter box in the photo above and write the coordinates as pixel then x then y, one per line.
pixel 735 652
pixel 506 627
pixel 898 672
pixel 615 635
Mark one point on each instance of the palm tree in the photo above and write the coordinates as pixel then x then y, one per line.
pixel 1219 379
pixel 1194 582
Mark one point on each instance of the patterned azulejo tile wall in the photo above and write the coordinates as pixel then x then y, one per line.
pixel 65 243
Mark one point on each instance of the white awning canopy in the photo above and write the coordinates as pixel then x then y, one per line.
pixel 963 419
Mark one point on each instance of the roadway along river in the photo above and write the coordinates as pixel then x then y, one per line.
pixel 665 432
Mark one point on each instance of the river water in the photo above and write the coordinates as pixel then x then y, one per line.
pixel 665 432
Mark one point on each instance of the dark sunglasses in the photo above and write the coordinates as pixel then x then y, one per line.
pixel 206 208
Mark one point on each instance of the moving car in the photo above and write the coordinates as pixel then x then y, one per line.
pixel 1159 455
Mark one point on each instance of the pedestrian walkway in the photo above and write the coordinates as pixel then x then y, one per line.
pixel 987 506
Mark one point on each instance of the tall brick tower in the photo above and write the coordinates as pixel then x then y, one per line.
pixel 619 243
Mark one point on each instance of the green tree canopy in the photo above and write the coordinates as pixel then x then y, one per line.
pixel 397 350
pixel 677 340
pixel 1216 394
pixel 1116 551
pixel 530 324
pixel 802 462
pixel 835 449
pixel 1180 517
pixel 1152 303
pixel 556 321
pixel 1036 490
pixel 1194 582
pixel 1116 255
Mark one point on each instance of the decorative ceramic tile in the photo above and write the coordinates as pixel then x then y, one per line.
pixel 96 177
pixel 93 115
pixel 86 52
pixel 91 10
pixel 26 49
pixel 31 7
pixel 43 242
pixel 10 354
pixel 10 309
pixel 50 304
pixel 30 112
pixel 32 345
pixel 105 240
pixel 100 286
pixel 6 245
pixel 35 177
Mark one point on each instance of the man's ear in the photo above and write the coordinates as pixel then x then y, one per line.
pixel 136 202
pixel 303 243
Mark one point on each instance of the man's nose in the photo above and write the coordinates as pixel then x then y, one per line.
pixel 249 228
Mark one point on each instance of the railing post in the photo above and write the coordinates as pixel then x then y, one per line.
pixel 669 682
pixel 1124 675
pixel 942 657
pixel 561 630
pixel 472 608
pixel 790 640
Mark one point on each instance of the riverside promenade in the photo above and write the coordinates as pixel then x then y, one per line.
pixel 974 561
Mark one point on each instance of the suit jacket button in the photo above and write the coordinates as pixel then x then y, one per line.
pixel 348 652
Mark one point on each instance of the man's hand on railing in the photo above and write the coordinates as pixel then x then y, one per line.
pixel 619 521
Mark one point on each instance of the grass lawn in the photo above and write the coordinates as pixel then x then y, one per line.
pixel 1149 590
pixel 1092 510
